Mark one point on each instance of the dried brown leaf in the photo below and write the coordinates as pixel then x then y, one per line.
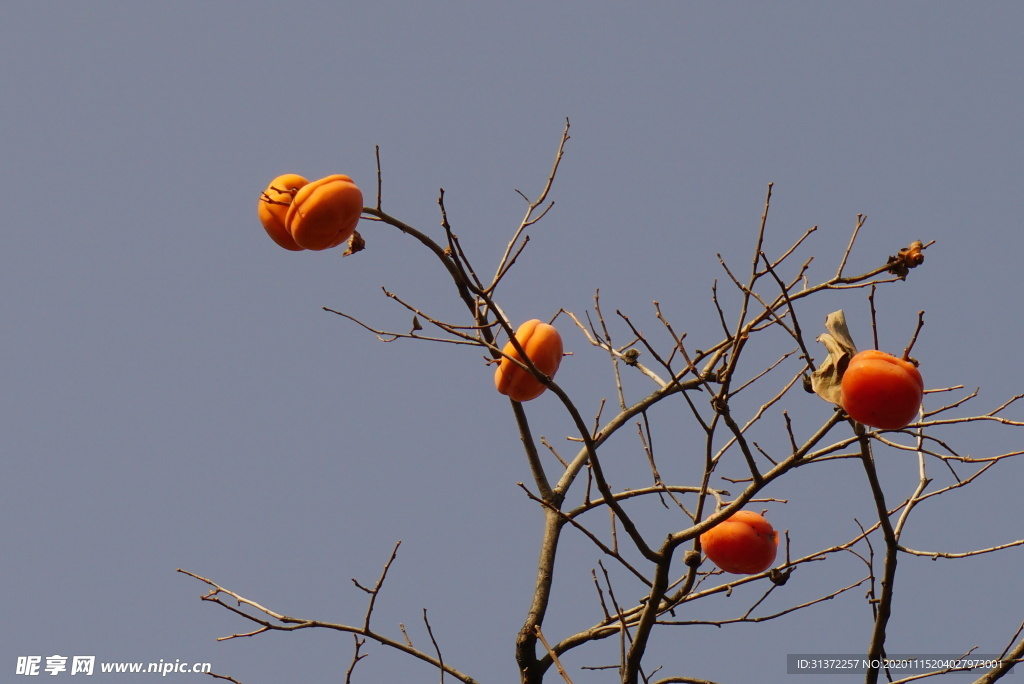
pixel 826 380
pixel 356 243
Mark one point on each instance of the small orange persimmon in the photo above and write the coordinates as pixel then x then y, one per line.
pixel 324 213
pixel 543 345
pixel 273 208
pixel 745 544
pixel 881 391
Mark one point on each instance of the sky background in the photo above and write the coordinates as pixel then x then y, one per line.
pixel 175 397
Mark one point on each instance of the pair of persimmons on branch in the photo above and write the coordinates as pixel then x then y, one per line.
pixel 874 388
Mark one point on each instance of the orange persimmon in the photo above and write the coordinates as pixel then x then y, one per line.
pixel 881 391
pixel 324 213
pixel 745 544
pixel 273 208
pixel 543 345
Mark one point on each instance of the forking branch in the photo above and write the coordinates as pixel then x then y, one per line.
pixel 738 393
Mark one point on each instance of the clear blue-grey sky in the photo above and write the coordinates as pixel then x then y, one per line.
pixel 174 396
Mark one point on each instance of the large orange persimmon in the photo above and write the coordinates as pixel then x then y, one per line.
pixel 881 391
pixel 543 345
pixel 273 208
pixel 324 213
pixel 745 544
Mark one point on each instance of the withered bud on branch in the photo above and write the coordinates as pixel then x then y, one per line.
pixel 909 257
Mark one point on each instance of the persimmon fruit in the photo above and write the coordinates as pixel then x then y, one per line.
pixel 273 208
pixel 745 544
pixel 324 213
pixel 298 214
pixel 543 345
pixel 881 390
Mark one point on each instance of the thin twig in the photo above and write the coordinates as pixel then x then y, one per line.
pixel 437 649
pixel 554 657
